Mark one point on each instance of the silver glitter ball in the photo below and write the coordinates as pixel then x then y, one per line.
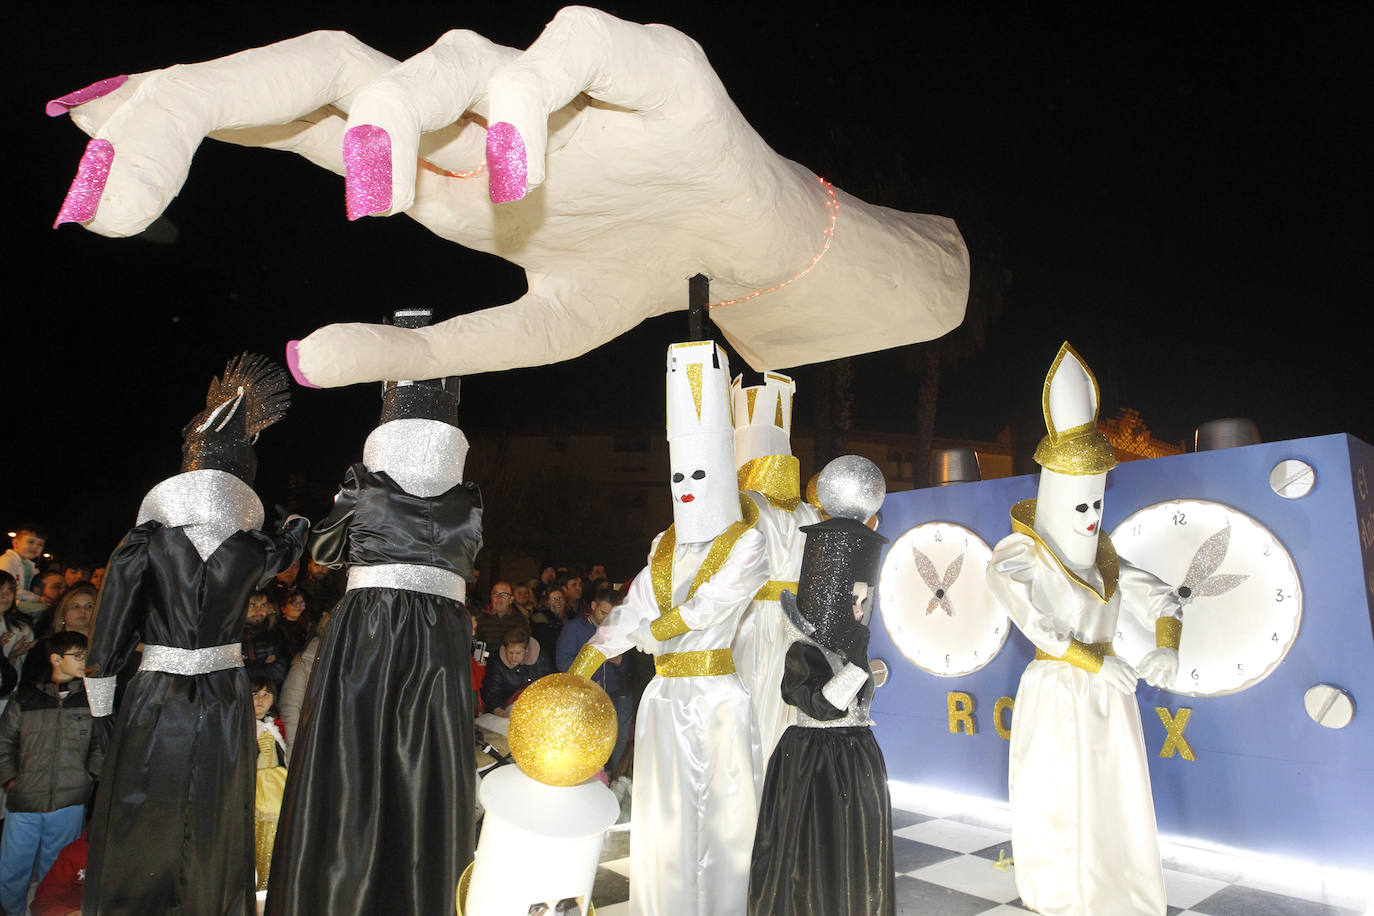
pixel 851 487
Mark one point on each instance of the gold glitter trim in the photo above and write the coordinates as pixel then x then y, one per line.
pixel 777 477
pixel 694 381
pixel 1085 655
pixel 750 396
pixel 773 589
pixel 661 565
pixel 1107 563
pixel 777 414
pixel 669 625
pixel 466 880
pixel 1065 350
pixel 588 660
pixel 999 720
pixel 1174 726
pixel 703 663
pixel 1168 633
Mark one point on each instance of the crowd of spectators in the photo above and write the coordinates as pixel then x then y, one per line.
pixel 521 632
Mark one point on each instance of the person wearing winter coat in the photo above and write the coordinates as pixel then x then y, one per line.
pixel 519 664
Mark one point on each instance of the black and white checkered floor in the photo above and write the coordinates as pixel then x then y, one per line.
pixel 947 858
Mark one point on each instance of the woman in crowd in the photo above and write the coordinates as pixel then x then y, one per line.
pixel 75 609
pixel 519 664
pixel 546 621
pixel 294 623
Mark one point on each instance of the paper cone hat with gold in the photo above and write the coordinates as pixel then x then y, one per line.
pixel 763 439
pixel 701 442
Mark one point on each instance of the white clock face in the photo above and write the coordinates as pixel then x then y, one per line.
pixel 1242 598
pixel 935 600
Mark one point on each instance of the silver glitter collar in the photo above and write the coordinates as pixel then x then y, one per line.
pixel 424 457
pixel 208 505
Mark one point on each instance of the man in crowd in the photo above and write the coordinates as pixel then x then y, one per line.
pixel 575 634
pixel 498 616
pixel 49 587
pixel 264 649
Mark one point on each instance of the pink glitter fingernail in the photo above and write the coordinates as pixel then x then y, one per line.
pixel 293 363
pixel 66 103
pixel 84 195
pixel 367 170
pixel 506 163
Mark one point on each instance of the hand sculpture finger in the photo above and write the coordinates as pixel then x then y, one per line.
pixel 426 93
pixel 141 152
pixel 632 66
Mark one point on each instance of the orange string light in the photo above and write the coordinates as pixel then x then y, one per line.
pixel 833 204
pixel 468 174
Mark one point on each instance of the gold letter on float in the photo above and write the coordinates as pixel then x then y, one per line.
pixel 1003 705
pixel 961 712
pixel 1175 741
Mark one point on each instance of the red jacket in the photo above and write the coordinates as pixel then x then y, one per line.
pixel 60 890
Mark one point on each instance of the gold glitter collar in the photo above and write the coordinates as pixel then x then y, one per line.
pixel 1023 521
pixel 661 566
pixel 777 477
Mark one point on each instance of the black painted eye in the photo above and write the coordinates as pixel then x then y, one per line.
pixel 698 474
pixel 677 478
pixel 1081 507
pixel 1097 504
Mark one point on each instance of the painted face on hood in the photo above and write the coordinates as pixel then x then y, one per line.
pixel 1068 514
pixel 689 485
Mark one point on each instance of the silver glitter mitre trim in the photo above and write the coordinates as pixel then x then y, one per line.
pixel 431 580
pixel 175 660
pixel 208 505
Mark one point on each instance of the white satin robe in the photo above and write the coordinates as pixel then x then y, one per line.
pixel 694 800
pixel 763 637
pixel 1083 821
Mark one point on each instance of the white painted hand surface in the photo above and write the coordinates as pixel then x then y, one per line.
pixel 1158 667
pixel 1118 675
pixel 616 168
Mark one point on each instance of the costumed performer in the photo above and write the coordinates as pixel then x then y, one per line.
pixel 377 816
pixel 172 830
pixel 545 818
pixel 824 839
pixel 695 786
pixel 1083 820
pixel 655 175
pixel 770 475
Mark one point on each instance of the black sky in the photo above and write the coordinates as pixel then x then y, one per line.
pixel 1183 193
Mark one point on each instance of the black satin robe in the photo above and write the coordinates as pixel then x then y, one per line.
pixel 172 830
pixel 380 795
pixel 823 845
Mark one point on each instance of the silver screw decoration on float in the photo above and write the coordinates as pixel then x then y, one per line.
pixel 851 487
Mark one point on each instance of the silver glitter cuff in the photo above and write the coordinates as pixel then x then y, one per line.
pixel 413 578
pixel 175 660
pixel 840 689
pixel 100 693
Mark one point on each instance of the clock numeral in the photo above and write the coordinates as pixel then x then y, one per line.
pixel 946 659
pixel 997 631
pixel 975 653
pixel 965 542
pixel 1240 668
pixel 1195 674
pixel 939 535
pixel 1266 549
pixel 1118 634
pixel 1180 517
pixel 1274 638
pixel 1278 595
pixel 1135 530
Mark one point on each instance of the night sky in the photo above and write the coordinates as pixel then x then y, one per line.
pixel 1183 194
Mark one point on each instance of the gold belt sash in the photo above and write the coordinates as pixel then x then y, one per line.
pixel 702 663
pixel 773 589
pixel 1085 655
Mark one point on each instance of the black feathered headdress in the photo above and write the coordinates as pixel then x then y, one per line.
pixel 253 393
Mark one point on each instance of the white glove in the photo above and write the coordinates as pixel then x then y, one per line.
pixel 1118 674
pixel 644 639
pixel 1159 666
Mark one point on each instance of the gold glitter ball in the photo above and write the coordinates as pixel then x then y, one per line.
pixel 562 729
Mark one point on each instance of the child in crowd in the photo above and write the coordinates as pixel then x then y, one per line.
pixel 16 637
pixel 49 756
pixel 519 664
pixel 21 560
pixel 271 775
